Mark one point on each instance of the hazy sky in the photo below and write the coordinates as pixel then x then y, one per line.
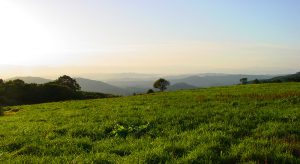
pixel 149 36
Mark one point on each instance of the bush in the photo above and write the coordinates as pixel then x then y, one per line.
pixel 256 81
pixel 150 91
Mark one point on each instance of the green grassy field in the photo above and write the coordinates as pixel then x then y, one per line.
pixel 237 124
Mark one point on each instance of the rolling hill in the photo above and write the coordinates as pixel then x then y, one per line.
pixel 217 80
pixel 127 84
pixel 98 86
pixel 236 124
pixel 287 78
pixel 86 85
pixel 180 86
pixel 199 80
pixel 174 87
pixel 30 79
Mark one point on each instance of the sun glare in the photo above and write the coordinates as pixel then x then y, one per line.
pixel 23 40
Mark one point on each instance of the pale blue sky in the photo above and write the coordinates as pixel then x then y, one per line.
pixel 152 36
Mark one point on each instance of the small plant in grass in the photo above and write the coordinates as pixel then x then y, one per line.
pixel 123 131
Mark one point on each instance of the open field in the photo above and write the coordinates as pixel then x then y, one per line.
pixel 246 123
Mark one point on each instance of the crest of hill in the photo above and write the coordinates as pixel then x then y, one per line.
pixel 86 85
pixel 99 86
pixel 30 79
pixel 180 86
pixel 217 80
pixel 287 78
pixel 198 80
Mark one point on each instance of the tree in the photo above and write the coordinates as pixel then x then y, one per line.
pixel 150 91
pixel 67 81
pixel 256 81
pixel 1 82
pixel 16 82
pixel 161 84
pixel 244 81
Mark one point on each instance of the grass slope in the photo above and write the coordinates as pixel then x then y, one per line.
pixel 251 123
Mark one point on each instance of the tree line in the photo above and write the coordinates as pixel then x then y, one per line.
pixel 17 92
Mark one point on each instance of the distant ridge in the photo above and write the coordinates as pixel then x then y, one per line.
pixel 217 79
pixel 30 79
pixel 99 86
pixel 86 85
pixel 196 80
pixel 127 84
pixel 287 78
pixel 180 86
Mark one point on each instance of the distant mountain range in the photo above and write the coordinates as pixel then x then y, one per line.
pixel 180 86
pixel 86 85
pixel 217 80
pixel 140 84
pixel 287 78
pixel 99 86
pixel 30 79
pixel 200 80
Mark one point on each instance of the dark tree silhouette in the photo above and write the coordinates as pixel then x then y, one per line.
pixel 256 81
pixel 17 92
pixel 1 82
pixel 161 84
pixel 16 82
pixel 150 91
pixel 67 81
pixel 244 81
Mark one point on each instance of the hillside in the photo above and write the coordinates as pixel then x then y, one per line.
pixel 180 86
pixel 129 83
pixel 197 80
pixel 87 85
pixel 210 80
pixel 287 78
pixel 236 124
pixel 30 79
pixel 172 87
pixel 98 86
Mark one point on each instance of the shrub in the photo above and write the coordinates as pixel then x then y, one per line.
pixel 150 91
pixel 256 81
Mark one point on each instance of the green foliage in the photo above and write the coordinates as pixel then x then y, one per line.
pixel 68 82
pixel 150 91
pixel 237 124
pixel 124 131
pixel 161 84
pixel 244 81
pixel 17 92
pixel 256 81
pixel 287 78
